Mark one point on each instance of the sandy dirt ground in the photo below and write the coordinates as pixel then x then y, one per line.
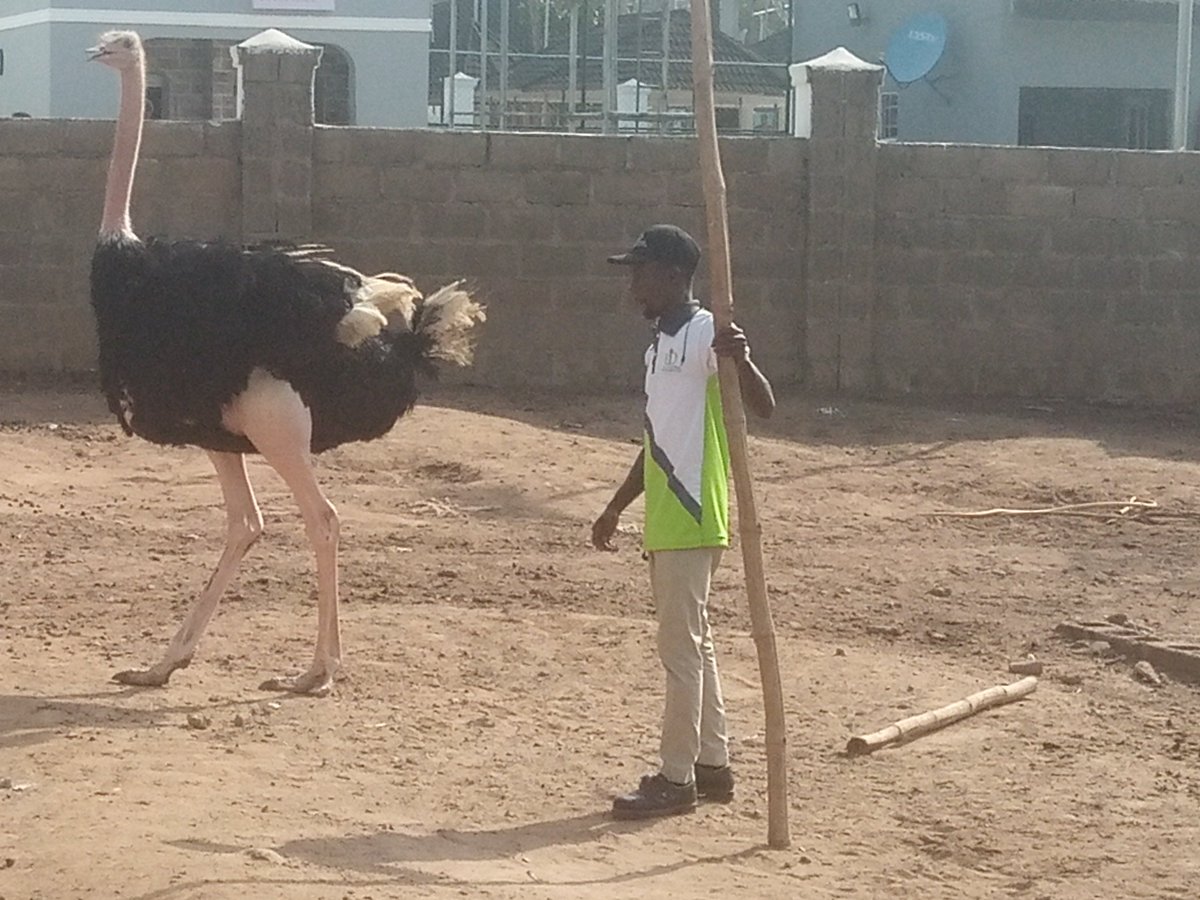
pixel 500 679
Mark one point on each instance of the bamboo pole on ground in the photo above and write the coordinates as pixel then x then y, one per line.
pixel 915 726
pixel 762 626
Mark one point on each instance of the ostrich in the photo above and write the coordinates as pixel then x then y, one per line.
pixel 270 349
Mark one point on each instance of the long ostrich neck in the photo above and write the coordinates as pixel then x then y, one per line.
pixel 119 187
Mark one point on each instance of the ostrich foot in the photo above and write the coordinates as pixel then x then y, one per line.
pixel 155 676
pixel 316 682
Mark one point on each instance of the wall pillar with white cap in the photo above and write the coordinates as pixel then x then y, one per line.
pixel 837 110
pixel 275 101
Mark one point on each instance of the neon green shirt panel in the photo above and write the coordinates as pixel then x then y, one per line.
pixel 669 524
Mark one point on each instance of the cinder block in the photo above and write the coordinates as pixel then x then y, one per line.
pixel 894 266
pixel 1101 274
pixel 591 152
pixel 385 147
pixel 58 172
pixel 453 149
pixel 458 221
pixel 335 145
pixel 1140 168
pixel 936 160
pixel 987 269
pixel 416 184
pixel 1044 271
pixel 1079 167
pixel 1026 165
pixel 975 197
pixel 910 196
pixel 744 154
pixel 523 152
pixel 1178 204
pixel 488 186
pixel 347 181
pixel 1010 236
pixel 488 263
pixel 174 139
pixel 1090 237
pixel 684 189
pixel 1182 274
pixel 222 139
pixel 1108 201
pixel 558 189
pixel 563 261
pixel 761 192
pixel 35 137
pixel 603 226
pixel 295 182
pixel 629 188
pixel 788 157
pixel 655 154
pixel 1036 200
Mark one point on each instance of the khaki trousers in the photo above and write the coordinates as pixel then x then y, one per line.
pixel 694 716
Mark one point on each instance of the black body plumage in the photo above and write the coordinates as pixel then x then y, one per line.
pixel 183 324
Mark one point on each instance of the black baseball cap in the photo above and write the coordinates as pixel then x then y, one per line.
pixel 667 244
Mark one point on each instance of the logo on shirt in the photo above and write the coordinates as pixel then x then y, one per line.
pixel 672 361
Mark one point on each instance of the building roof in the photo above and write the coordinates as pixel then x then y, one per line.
pixel 776 48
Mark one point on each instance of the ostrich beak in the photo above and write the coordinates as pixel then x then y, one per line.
pixel 94 53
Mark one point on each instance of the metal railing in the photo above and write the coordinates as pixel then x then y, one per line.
pixel 581 105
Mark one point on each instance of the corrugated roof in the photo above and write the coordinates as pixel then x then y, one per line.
pixel 775 47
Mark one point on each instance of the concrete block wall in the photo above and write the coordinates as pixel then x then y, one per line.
pixel 51 193
pixel 529 220
pixel 1038 272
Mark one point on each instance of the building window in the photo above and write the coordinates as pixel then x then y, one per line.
pixel 156 98
pixel 889 116
pixel 1137 126
pixel 333 88
pixel 766 118
pixel 729 118
pixel 1130 118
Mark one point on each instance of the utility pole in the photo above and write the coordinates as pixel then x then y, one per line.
pixel 452 68
pixel 1183 73
pixel 484 105
pixel 573 67
pixel 505 16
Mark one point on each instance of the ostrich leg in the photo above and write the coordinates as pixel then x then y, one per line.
pixel 272 415
pixel 244 525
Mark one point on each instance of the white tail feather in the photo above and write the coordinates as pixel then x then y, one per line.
pixel 362 322
pixel 449 317
pixel 388 300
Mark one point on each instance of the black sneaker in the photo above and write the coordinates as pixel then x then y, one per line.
pixel 714 783
pixel 654 797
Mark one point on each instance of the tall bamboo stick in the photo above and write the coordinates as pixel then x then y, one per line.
pixel 763 627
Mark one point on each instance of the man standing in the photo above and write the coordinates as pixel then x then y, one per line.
pixel 684 470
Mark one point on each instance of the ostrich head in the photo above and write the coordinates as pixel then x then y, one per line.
pixel 119 49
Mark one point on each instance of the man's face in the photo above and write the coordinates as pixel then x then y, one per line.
pixel 655 287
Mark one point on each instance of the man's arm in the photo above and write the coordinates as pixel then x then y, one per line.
pixel 756 390
pixel 606 526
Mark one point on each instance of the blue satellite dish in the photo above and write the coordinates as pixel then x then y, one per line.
pixel 915 47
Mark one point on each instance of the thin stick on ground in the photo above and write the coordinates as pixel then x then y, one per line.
pixel 762 626
pixel 1120 507
pixel 1131 510
pixel 916 726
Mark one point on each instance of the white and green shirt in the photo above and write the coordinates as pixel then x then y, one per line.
pixel 687 457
